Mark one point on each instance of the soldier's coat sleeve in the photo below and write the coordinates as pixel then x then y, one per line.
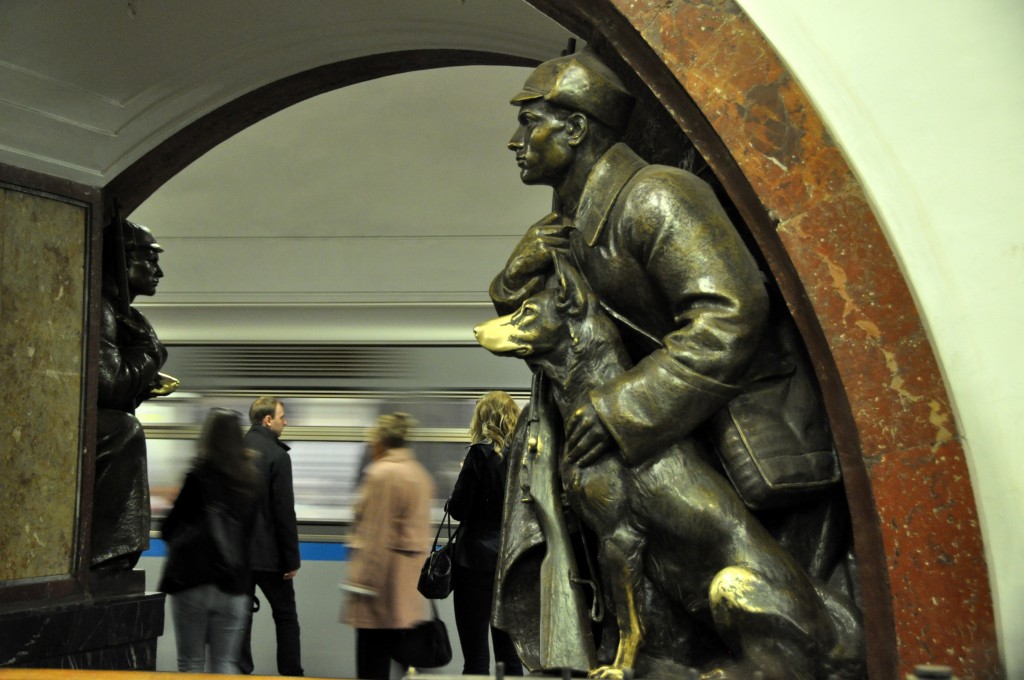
pixel 673 227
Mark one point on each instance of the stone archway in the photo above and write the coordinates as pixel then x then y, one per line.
pixel 136 182
pixel 925 584
pixel 926 590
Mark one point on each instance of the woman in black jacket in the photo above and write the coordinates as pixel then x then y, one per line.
pixel 477 502
pixel 207 530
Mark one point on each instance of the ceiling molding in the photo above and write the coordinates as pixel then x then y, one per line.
pixel 153 72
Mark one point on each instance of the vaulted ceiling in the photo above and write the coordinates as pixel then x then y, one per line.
pixel 375 212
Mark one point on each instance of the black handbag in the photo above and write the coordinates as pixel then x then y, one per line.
pixel 425 645
pixel 436 574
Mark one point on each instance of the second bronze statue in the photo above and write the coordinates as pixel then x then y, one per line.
pixel 130 358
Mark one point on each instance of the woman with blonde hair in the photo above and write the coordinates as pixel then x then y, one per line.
pixel 389 542
pixel 477 501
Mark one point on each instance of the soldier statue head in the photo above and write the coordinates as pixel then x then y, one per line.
pixel 571 110
pixel 137 266
pixel 142 256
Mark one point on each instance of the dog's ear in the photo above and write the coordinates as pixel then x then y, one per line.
pixel 572 289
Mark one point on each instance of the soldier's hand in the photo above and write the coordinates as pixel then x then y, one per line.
pixel 533 255
pixel 587 439
pixel 164 385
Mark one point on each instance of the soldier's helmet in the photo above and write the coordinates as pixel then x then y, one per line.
pixel 580 82
pixel 138 237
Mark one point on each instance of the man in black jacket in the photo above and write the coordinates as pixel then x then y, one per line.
pixel 275 538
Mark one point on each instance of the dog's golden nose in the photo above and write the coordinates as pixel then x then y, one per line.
pixel 496 336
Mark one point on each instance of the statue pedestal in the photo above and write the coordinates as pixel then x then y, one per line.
pixel 116 628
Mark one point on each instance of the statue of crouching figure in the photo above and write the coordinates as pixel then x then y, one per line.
pixel 131 356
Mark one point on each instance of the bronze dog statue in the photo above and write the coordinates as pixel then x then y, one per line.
pixel 674 522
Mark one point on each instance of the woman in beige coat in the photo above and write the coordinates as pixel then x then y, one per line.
pixel 389 542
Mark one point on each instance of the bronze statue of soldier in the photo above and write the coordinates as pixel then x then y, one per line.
pixel 131 356
pixel 711 387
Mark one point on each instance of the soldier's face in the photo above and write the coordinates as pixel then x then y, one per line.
pixel 541 144
pixel 144 271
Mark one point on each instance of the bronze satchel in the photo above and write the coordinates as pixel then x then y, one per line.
pixel 773 438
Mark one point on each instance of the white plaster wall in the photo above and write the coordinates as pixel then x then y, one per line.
pixel 926 98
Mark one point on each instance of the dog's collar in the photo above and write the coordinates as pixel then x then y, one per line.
pixel 610 174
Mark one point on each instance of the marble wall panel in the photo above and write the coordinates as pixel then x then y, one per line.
pixel 42 312
pixel 934 547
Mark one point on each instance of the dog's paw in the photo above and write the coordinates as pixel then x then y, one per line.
pixel 607 673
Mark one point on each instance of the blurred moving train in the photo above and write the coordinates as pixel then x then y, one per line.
pixel 333 395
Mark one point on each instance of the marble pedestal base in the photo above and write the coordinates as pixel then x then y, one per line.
pixel 108 631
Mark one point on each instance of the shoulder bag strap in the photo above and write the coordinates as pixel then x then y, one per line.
pixel 445 521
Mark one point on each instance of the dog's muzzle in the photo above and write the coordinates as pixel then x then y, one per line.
pixel 497 336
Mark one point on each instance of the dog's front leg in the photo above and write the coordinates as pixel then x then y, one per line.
pixel 622 563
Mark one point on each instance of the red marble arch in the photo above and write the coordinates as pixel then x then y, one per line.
pixel 922 569
pixel 925 583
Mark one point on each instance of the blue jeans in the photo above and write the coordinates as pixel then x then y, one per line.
pixel 206 615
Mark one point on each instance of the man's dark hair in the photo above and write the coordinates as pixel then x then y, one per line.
pixel 261 408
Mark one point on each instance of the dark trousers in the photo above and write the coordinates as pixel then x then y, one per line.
pixel 280 595
pixel 373 652
pixel 472 598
